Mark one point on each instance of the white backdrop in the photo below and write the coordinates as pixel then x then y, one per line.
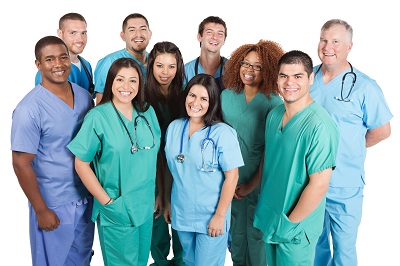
pixel 293 24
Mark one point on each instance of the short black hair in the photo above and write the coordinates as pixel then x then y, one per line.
pixel 45 41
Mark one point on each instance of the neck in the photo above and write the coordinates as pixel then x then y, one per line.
pixel 164 90
pixel 210 62
pixel 250 92
pixel 195 124
pixel 292 108
pixel 329 72
pixel 74 58
pixel 140 56
pixel 124 108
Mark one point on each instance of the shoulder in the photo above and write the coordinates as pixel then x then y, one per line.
pixel 224 129
pixel 320 117
pixel 190 63
pixel 84 60
pixel 111 57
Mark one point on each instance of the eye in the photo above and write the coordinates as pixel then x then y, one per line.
pixel 244 64
pixel 172 66
pixel 133 81
pixel 257 67
pixel 159 65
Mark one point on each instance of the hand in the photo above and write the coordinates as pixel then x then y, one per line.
pixel 159 206
pixel 242 190
pixel 47 220
pixel 167 213
pixel 216 226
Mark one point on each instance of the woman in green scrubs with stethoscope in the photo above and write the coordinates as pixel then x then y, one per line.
pixel 121 136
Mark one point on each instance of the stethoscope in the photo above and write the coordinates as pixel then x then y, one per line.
pixel 204 143
pixel 350 73
pixel 136 148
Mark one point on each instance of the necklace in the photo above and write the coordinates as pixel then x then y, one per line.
pixel 133 148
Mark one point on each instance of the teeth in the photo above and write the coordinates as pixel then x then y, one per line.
pixel 126 93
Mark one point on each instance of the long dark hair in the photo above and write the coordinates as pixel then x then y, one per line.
pixel 214 114
pixel 138 102
pixel 153 95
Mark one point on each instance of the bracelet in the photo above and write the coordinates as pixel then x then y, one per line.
pixel 109 202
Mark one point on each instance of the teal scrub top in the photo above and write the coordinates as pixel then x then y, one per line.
pixel 195 194
pixel 306 145
pixel 248 119
pixel 128 178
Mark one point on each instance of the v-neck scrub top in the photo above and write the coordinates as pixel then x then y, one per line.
pixel 306 145
pixel 128 178
pixel 195 194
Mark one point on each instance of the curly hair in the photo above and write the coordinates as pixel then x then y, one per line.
pixel 268 52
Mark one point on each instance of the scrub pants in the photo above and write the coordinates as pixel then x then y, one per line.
pixel 71 243
pixel 125 245
pixel 247 245
pixel 160 244
pixel 342 219
pixel 292 254
pixel 202 249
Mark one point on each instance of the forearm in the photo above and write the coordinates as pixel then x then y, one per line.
pixel 167 186
pixel 311 196
pixel 90 181
pixel 374 136
pixel 227 192
pixel 27 179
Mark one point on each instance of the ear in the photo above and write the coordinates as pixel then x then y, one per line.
pixel 312 75
pixel 199 37
pixel 59 33
pixel 37 63
pixel 349 47
pixel 122 35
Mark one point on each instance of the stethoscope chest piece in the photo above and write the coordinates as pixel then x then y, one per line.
pixel 180 158
pixel 134 149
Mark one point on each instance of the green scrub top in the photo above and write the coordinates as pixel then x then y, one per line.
pixel 128 178
pixel 248 119
pixel 306 145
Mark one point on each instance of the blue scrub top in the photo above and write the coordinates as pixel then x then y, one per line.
pixel 43 125
pixel 190 70
pixel 103 65
pixel 195 194
pixel 366 110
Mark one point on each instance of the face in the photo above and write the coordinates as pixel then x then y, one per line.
pixel 54 64
pixel 249 76
pixel 293 83
pixel 164 68
pixel 197 102
pixel 334 45
pixel 213 37
pixel 74 34
pixel 136 35
pixel 125 86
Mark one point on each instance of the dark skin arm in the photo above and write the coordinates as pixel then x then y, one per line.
pixel 21 162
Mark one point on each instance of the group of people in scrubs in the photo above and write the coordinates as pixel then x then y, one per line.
pixel 260 167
